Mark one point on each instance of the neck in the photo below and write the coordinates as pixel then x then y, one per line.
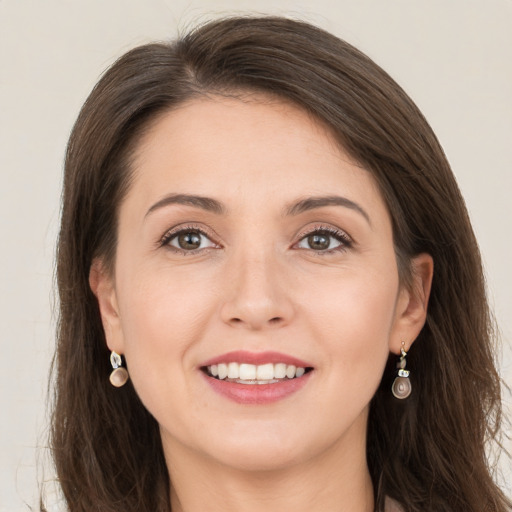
pixel 337 480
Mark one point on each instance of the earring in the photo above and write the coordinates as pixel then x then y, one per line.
pixel 402 388
pixel 119 375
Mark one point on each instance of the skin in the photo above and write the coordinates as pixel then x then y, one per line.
pixel 256 284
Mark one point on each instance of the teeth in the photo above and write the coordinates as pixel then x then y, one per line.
pixel 257 374
pixel 223 370
pixel 265 372
pixel 280 371
pixel 247 372
pixel 233 371
pixel 290 371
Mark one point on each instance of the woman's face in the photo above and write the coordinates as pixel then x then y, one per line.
pixel 250 242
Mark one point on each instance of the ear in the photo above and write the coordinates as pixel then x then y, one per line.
pixel 412 303
pixel 102 285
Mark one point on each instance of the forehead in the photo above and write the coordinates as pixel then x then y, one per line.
pixel 241 147
pixel 248 118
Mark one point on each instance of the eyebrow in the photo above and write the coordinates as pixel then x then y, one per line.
pixel 311 203
pixel 301 206
pixel 205 203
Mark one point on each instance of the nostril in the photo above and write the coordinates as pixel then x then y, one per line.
pixel 272 321
pixel 254 317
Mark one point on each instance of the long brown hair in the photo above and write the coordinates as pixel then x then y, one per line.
pixel 427 452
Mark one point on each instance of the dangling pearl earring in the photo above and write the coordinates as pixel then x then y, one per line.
pixel 119 375
pixel 402 388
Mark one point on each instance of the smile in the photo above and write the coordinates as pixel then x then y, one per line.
pixel 243 373
pixel 256 378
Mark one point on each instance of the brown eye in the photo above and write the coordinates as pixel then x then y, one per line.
pixel 189 240
pixel 319 242
pixel 327 241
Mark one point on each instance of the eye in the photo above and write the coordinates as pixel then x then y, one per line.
pixel 187 240
pixel 325 240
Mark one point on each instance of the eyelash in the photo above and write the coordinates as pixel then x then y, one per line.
pixel 345 241
pixel 166 240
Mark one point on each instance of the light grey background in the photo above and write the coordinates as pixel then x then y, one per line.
pixel 454 57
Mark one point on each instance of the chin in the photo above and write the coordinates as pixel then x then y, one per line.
pixel 254 457
pixel 263 447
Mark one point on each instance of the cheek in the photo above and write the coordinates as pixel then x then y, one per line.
pixel 352 322
pixel 162 307
pixel 357 302
pixel 162 316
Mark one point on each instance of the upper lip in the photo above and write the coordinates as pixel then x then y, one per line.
pixel 256 358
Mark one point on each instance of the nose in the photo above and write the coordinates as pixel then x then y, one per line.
pixel 257 296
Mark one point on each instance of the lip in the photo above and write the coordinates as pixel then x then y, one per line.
pixel 256 358
pixel 256 393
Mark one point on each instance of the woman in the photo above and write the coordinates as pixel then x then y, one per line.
pixel 261 229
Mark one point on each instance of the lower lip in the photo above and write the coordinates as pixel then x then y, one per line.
pixel 257 393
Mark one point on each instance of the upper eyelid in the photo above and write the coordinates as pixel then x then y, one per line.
pixel 180 228
pixel 346 242
pixel 324 228
pixel 211 234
